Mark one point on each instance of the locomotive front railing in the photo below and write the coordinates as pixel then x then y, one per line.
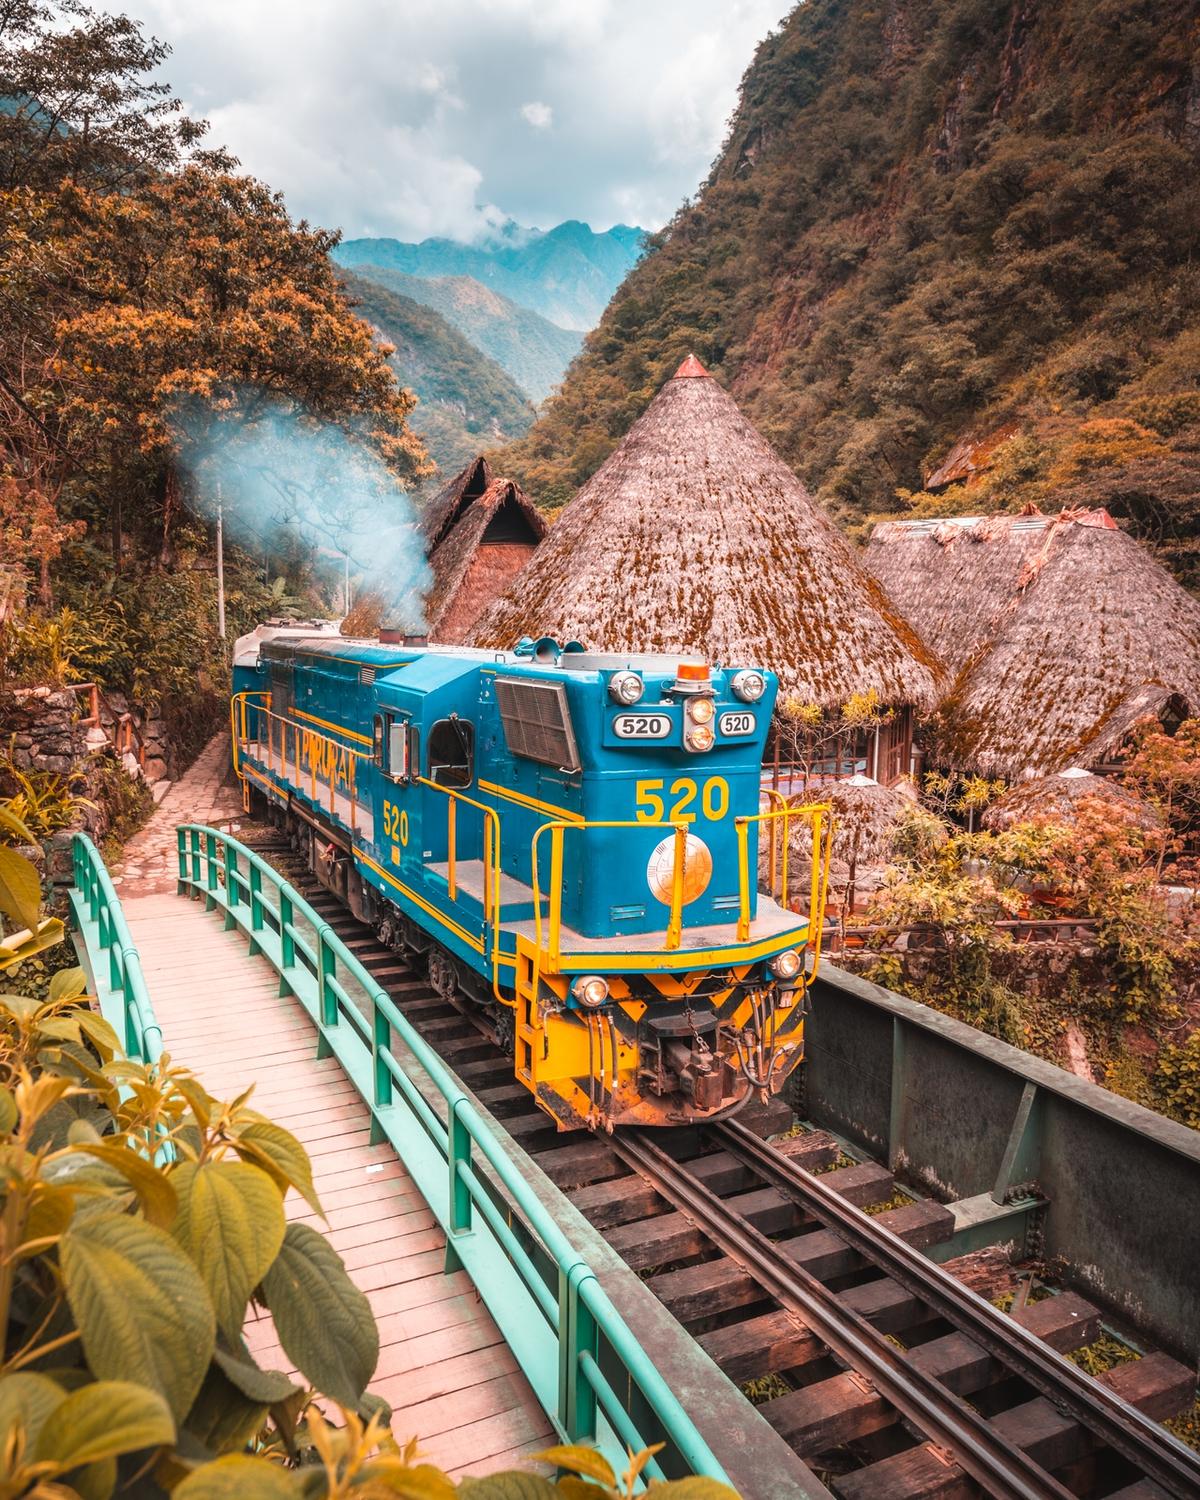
pixel 588 1369
pixel 820 815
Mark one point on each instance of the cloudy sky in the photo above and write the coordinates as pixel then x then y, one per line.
pixel 421 117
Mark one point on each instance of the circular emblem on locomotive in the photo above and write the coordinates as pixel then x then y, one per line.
pixel 697 869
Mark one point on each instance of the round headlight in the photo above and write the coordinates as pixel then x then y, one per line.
pixel 701 711
pixel 591 991
pixel 699 737
pixel 697 869
pixel 625 687
pixel 749 685
pixel 785 965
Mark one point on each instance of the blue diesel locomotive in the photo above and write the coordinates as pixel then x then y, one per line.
pixel 569 839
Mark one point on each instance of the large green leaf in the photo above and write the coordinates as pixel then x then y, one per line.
pixel 28 1399
pixel 103 1420
pixel 268 1386
pixel 324 1322
pixel 513 1485
pixel 8 1112
pixel 13 826
pixel 48 934
pixel 67 984
pixel 237 1477
pixel 222 1418
pixel 20 889
pixel 140 1305
pixel 230 1221
pixel 155 1190
pixel 281 1154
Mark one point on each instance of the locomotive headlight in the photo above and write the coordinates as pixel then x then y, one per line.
pixel 785 965
pixel 749 685
pixel 699 737
pixel 591 991
pixel 694 876
pixel 625 687
pixel 701 711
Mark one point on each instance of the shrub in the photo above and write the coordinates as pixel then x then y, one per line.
pixel 1178 1079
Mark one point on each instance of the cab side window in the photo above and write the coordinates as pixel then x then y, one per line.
pixel 452 752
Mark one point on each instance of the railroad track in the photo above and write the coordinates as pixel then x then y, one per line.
pixel 892 1377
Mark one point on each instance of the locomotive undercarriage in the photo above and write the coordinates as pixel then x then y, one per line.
pixel 665 1049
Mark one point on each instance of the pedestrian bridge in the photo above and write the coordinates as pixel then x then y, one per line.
pixel 496 1336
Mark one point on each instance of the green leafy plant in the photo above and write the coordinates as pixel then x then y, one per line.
pixel 44 801
pixel 21 898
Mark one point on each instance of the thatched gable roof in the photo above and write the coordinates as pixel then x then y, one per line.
pixel 1075 632
pixel 502 520
pixel 1058 798
pixel 694 536
pixel 452 502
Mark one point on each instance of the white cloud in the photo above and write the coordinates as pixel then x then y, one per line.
pixel 430 118
pixel 539 115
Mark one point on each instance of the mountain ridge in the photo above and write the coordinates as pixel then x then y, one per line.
pixel 532 349
pixel 566 274
pixel 466 401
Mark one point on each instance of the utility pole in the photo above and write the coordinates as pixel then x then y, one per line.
pixel 346 583
pixel 220 564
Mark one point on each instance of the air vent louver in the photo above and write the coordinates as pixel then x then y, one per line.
pixel 537 721
pixel 366 675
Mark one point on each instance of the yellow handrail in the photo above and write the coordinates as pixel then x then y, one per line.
pixel 240 731
pixel 491 867
pixel 557 828
pixel 822 840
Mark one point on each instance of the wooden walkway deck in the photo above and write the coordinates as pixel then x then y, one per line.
pixel 443 1365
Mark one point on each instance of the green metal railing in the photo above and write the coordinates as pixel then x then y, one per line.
pixel 116 969
pixel 589 1371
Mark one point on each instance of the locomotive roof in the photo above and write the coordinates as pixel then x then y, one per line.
pixel 695 534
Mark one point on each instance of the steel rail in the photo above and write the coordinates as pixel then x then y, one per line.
pixel 1145 1443
pixel 1004 1470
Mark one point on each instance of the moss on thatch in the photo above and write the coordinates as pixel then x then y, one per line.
pixel 501 523
pixel 1068 633
pixel 1058 797
pixel 694 536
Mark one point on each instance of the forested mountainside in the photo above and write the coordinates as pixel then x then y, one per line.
pixel 534 351
pixel 567 273
pixel 962 229
pixel 466 402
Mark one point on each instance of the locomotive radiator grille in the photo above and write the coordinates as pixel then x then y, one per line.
pixel 537 722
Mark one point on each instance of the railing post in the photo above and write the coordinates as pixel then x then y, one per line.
pixel 287 942
pixel 326 999
pixel 458 1155
pixel 256 907
pixel 556 878
pixel 578 1335
pixel 678 870
pixel 232 894
pixel 452 847
pixel 381 1045
pixel 195 856
pixel 743 847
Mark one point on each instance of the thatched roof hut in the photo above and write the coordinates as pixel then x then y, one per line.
pixel 484 539
pixel 1064 631
pixel 1057 798
pixel 453 500
pixel 694 536
pixel 865 815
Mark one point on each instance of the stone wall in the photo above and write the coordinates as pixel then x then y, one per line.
pixel 42 727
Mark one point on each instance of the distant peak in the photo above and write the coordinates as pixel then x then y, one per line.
pixel 691 369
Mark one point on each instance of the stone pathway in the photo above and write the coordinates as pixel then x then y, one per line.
pixel 206 793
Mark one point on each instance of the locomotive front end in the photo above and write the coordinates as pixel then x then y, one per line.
pixel 658 983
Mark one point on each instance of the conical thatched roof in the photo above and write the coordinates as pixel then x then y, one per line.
pixel 490 539
pixel 1058 797
pixel 694 536
pixel 1063 632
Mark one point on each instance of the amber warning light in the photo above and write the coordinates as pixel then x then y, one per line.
pixel 691 671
